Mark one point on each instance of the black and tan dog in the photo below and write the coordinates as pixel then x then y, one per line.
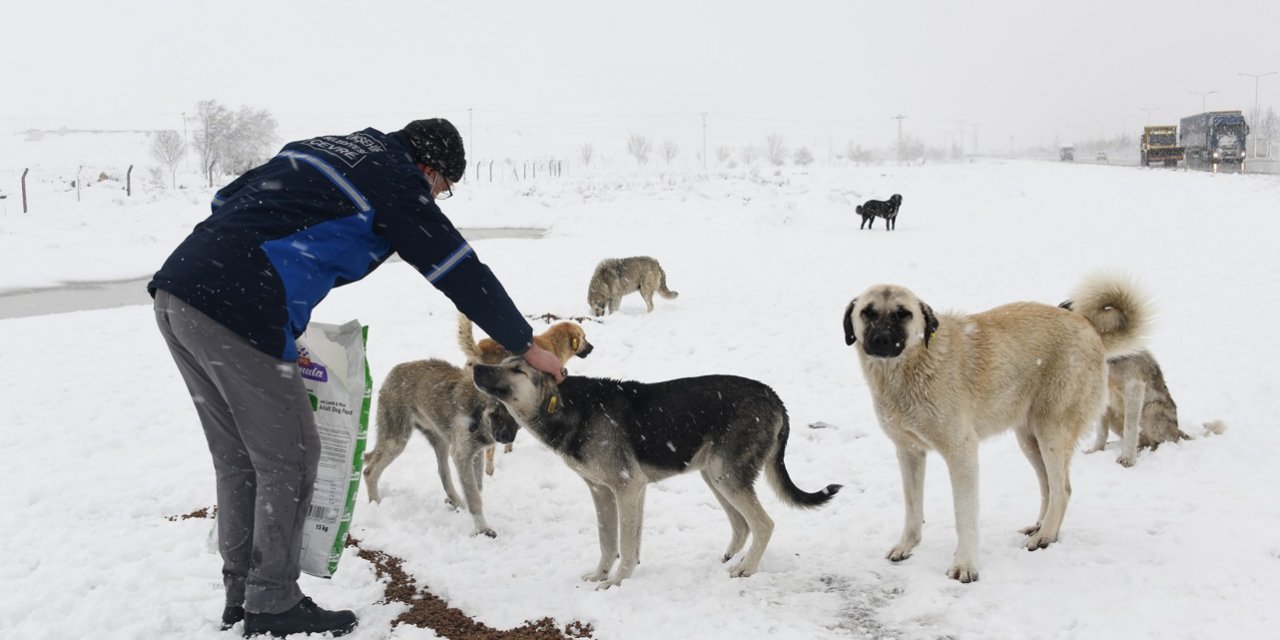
pixel 620 435
pixel 887 209
pixel 564 339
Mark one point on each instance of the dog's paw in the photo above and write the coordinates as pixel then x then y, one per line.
pixel 741 570
pixel 725 558
pixel 1040 541
pixel 899 553
pixel 1031 530
pixel 595 576
pixel 963 572
pixel 1126 461
pixel 453 503
pixel 615 582
pixel 485 531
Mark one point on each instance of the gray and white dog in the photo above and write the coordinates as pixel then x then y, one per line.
pixel 439 400
pixel 621 435
pixel 617 277
pixel 1139 407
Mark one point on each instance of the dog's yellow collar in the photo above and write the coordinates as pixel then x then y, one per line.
pixel 552 403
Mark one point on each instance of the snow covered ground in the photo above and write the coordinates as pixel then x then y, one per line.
pixel 102 443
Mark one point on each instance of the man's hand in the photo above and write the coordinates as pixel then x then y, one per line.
pixel 545 361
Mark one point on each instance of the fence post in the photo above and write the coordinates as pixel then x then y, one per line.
pixel 24 189
pixel 128 181
pixel 490 171
pixel 78 181
pixel 515 171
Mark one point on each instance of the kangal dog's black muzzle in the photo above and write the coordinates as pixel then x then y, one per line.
pixel 884 340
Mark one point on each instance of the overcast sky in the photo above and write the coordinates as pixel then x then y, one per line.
pixel 820 73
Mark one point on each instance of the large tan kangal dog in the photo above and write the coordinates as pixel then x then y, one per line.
pixel 945 382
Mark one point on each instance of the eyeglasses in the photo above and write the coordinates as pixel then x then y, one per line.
pixel 436 191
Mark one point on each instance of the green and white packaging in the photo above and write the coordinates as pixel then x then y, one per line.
pixel 336 374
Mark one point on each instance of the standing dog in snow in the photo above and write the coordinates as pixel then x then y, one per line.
pixel 617 277
pixel 621 435
pixel 944 382
pixel 887 209
pixel 439 400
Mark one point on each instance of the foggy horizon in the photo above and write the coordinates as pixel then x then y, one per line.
pixel 524 77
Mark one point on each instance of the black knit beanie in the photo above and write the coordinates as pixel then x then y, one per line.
pixel 437 144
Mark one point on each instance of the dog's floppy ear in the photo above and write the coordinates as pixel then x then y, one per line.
pixel 849 338
pixel 930 323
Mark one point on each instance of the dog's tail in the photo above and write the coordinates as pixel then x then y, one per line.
pixel 858 209
pixel 662 286
pixel 1117 309
pixel 467 340
pixel 781 480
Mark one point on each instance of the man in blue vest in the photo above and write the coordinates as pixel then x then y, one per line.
pixel 235 294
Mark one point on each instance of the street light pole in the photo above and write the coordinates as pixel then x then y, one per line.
pixel 1203 95
pixel 1257 114
pixel 1148 110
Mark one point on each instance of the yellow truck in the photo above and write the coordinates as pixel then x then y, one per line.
pixel 1160 144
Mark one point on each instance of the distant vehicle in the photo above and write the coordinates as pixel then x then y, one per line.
pixel 1160 144
pixel 1102 156
pixel 1067 154
pixel 1214 138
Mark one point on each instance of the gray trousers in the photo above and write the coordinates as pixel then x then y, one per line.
pixel 262 435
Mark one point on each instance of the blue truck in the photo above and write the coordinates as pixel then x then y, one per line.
pixel 1214 138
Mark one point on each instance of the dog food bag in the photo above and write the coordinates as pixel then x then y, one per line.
pixel 336 374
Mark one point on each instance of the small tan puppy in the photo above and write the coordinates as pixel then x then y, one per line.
pixel 944 382
pixel 564 339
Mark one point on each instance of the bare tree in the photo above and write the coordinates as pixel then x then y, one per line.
pixel 586 152
pixel 1267 131
pixel 214 123
pixel 774 149
pixel 167 147
pixel 232 141
pixel 669 151
pixel 639 146
pixel 857 154
pixel 802 157
pixel 253 133
pixel 722 153
pixel 749 154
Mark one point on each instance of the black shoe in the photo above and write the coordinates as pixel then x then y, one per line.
pixel 232 614
pixel 304 617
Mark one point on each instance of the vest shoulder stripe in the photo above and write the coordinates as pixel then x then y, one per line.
pixel 336 178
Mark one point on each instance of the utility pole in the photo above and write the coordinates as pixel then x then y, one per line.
pixel 1148 110
pixel 1203 95
pixel 899 118
pixel 1257 115
pixel 704 140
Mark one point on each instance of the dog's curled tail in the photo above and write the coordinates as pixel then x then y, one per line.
pixel 781 480
pixel 467 340
pixel 858 209
pixel 662 286
pixel 1117 309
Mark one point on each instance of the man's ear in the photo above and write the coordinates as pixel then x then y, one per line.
pixel 849 338
pixel 930 323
